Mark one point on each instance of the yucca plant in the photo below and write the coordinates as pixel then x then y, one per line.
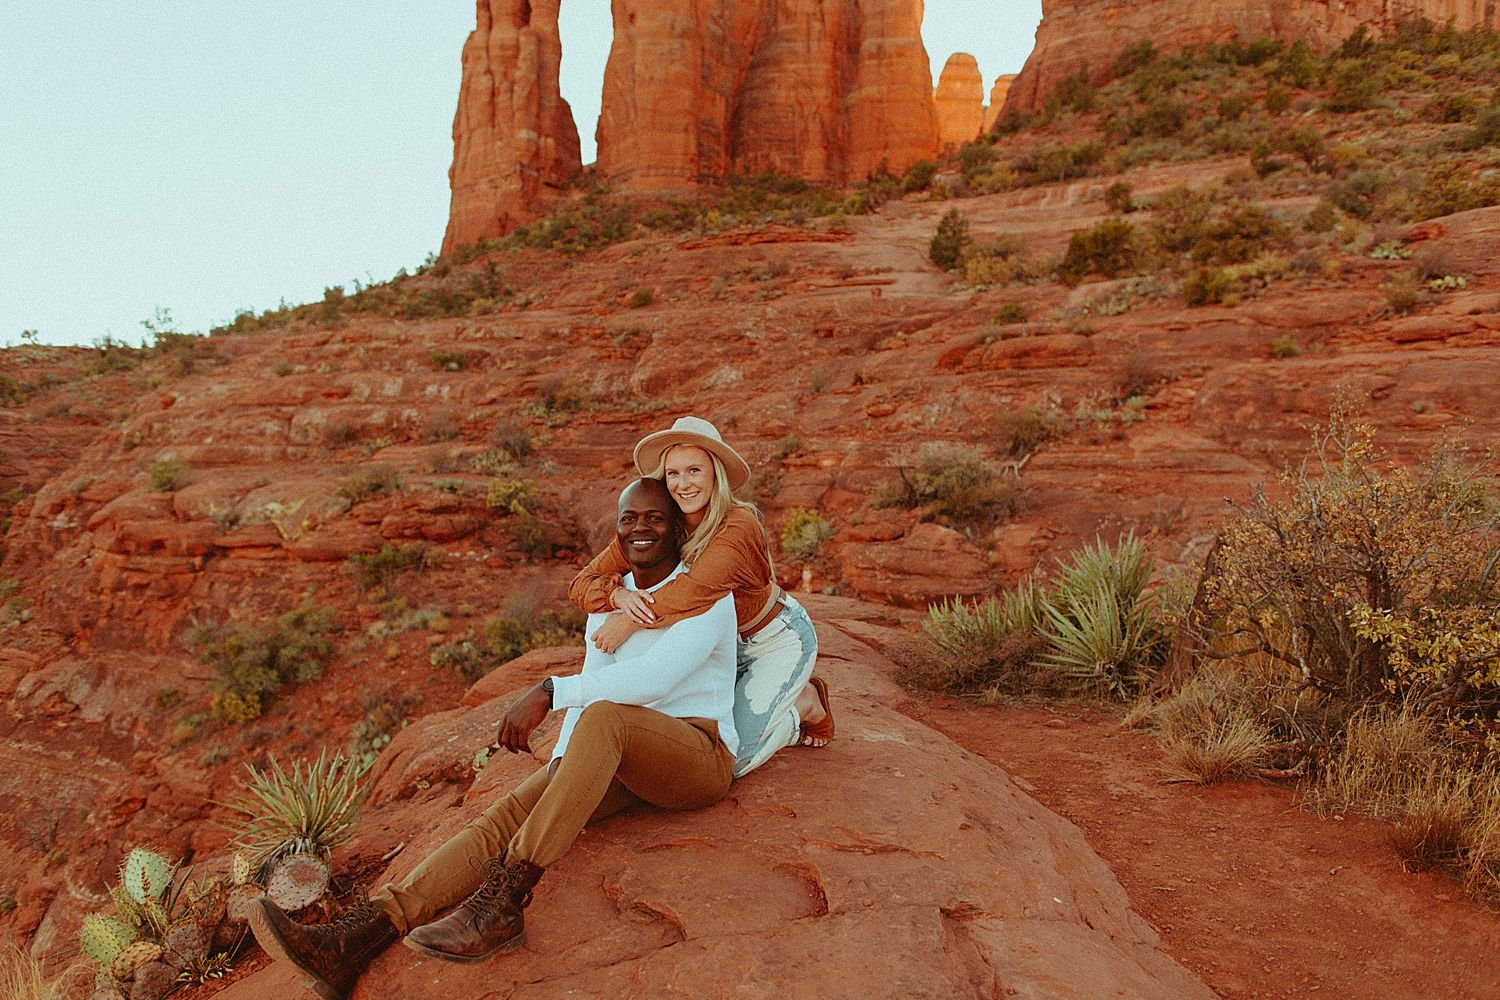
pixel 979 647
pixel 1102 624
pixel 294 820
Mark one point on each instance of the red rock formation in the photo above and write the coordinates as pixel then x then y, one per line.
pixel 825 91
pixel 998 93
pixel 514 140
pixel 1077 34
pixel 960 100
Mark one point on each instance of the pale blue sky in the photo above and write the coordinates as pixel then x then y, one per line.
pixel 208 157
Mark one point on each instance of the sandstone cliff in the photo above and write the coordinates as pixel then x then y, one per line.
pixel 998 93
pixel 827 91
pixel 1088 34
pixel 960 100
pixel 514 140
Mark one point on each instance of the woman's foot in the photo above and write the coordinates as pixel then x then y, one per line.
pixel 817 718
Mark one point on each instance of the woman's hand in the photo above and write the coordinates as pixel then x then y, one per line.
pixel 522 718
pixel 616 629
pixel 636 604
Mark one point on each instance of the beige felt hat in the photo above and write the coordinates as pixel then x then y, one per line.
pixel 699 433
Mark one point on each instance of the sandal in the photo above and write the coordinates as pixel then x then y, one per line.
pixel 818 734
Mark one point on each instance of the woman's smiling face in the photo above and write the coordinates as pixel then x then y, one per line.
pixel 690 479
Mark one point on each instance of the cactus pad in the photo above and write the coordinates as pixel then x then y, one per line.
pixel 104 937
pixel 146 876
pixel 297 881
pixel 237 912
pixel 240 868
pixel 186 944
pixel 153 981
pixel 132 957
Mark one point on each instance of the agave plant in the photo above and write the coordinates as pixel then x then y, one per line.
pixel 293 822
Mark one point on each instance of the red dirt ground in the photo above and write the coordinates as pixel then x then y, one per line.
pixel 1257 895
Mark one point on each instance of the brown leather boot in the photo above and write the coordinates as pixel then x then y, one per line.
pixel 490 920
pixel 331 956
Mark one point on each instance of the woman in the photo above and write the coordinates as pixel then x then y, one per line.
pixel 777 700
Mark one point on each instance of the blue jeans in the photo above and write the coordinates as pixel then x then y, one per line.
pixel 774 666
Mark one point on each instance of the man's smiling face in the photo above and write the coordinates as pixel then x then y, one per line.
pixel 647 525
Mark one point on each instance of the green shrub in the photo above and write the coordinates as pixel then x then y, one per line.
pixel 372 570
pixel 989 646
pixel 1110 248
pixel 1285 346
pixel 1486 130
pixel 1291 572
pixel 1451 186
pixel 10 391
pixel 804 533
pixel 949 241
pixel 642 297
pixel 167 474
pixel 1073 93
pixel 918 176
pixel 1010 312
pixel 1210 285
pixel 955 484
pixel 510 496
pixel 1117 197
pixel 502 639
pixel 450 361
pixel 252 661
pixel 1061 163
pixel 1277 100
pixel 1360 193
pixel 1161 119
pixel 1353 86
pixel 371 482
pixel 1022 432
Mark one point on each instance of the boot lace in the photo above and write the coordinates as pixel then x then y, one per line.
pixel 498 881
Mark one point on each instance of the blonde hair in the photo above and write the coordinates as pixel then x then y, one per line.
pixel 720 503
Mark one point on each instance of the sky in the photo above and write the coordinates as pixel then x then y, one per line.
pixel 205 158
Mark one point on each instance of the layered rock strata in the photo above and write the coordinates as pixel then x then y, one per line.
pixel 998 93
pixel 825 91
pixel 1088 34
pixel 960 100
pixel 514 139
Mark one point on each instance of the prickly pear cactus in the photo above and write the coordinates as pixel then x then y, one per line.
pixel 103 937
pixel 153 981
pixel 297 881
pixel 145 876
pixel 186 944
pixel 237 912
pixel 108 991
pixel 132 957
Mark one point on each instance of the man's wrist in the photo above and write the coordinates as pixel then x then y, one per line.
pixel 547 686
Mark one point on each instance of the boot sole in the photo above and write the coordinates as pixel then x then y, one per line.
pixel 499 949
pixel 271 942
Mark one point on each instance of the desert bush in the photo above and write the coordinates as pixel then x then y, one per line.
pixel 918 176
pixel 1353 86
pixel 1060 163
pixel 1117 198
pixel 1360 193
pixel 948 243
pixel 502 639
pixel 1451 186
pixel 1209 285
pixel 1073 93
pixel 1403 292
pixel 1109 248
pixel 1162 118
pixel 1022 432
pixel 1291 572
pixel 450 360
pixel 1010 312
pixel 1285 346
pixel 511 496
pixel 370 482
pixel 1486 130
pixel 380 570
pixel 804 533
pixel 955 484
pixel 10 391
pixel 167 474
pixel 251 661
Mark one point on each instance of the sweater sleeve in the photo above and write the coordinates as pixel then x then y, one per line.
pixel 591 588
pixel 735 558
pixel 641 680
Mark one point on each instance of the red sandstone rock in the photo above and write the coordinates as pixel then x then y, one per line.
pixel 1078 34
pixel 514 139
pixel 960 101
pixel 929 864
pixel 998 93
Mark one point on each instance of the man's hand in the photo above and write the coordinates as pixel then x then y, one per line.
pixel 635 603
pixel 522 718
pixel 617 627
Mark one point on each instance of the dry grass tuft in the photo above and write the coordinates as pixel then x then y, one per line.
pixel 1228 750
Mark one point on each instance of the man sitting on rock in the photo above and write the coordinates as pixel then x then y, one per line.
pixel 653 723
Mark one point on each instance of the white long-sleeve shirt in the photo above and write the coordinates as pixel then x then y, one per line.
pixel 686 670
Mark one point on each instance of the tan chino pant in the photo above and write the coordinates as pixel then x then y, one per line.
pixel 618 756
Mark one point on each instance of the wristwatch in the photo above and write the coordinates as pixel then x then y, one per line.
pixel 547 687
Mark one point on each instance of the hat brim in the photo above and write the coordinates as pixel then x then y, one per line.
pixel 650 449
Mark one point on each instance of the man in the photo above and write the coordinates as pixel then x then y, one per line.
pixel 653 722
